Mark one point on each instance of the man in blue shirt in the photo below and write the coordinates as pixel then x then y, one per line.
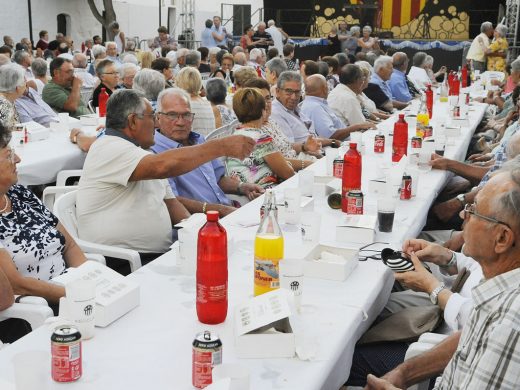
pixel 219 33
pixel 203 188
pixel 316 108
pixel 206 38
pixel 397 82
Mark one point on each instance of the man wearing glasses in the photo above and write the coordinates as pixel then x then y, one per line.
pixel 205 187
pixel 121 199
pixel 63 92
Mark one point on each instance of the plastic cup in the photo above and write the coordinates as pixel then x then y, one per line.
pixel 292 198
pixel 306 182
pixel 291 278
pixel 311 227
pixel 330 155
pixel 385 214
pixel 425 156
pixel 187 250
pixel 81 306
pixel 238 375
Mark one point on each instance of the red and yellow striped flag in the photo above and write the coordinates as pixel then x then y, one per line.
pixel 397 12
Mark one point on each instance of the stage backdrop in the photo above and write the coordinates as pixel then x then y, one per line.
pixel 405 19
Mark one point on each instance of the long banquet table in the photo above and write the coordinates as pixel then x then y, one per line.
pixel 151 345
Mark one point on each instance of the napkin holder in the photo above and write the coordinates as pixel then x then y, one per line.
pixel 262 327
pixel 116 295
pixel 359 229
pixel 315 267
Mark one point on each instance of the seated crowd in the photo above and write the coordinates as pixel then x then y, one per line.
pixel 157 161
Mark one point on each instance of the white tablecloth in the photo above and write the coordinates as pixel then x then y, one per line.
pixel 151 345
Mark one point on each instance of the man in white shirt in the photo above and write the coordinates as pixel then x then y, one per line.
pixel 21 57
pixel 277 34
pixel 79 62
pixel 343 98
pixel 417 73
pixel 477 50
pixel 123 199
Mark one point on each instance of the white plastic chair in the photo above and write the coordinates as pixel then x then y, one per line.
pixel 86 95
pixel 61 178
pixel 65 210
pixel 223 131
pixel 91 107
pixel 426 342
pixel 34 310
pixel 51 193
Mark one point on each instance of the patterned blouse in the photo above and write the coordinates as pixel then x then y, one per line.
pixel 254 169
pixel 226 114
pixel 497 64
pixel 280 141
pixel 30 236
pixel 8 115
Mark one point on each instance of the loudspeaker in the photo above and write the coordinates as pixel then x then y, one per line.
pixel 241 18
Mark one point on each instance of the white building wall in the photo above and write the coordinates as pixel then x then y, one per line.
pixel 136 17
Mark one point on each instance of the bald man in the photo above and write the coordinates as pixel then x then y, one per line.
pixel 326 122
pixel 397 82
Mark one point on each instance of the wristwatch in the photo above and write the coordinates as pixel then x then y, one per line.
pixel 462 199
pixel 434 296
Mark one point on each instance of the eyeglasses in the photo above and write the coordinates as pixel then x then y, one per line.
pixel 11 156
pixel 469 209
pixel 175 116
pixel 112 73
pixel 289 91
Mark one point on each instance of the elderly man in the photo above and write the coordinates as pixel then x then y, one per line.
pixel 62 93
pixel 121 200
pixel 112 54
pixel 204 187
pixel 273 70
pixel 277 34
pixel 417 74
pixel 378 89
pixel 164 40
pixel 219 33
pixel 240 60
pixel 483 356
pixel 477 50
pixel 257 61
pixel 262 37
pixel 21 57
pixel 343 99
pixel 79 62
pixel 398 84
pixel 316 108
pixel 31 107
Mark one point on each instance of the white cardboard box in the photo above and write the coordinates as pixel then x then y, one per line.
pixel 115 294
pixel 255 336
pixel 322 269
pixel 360 229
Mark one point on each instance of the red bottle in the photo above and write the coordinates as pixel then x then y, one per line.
pixel 429 100
pixel 464 76
pixel 102 100
pixel 351 180
pixel 400 141
pixel 212 271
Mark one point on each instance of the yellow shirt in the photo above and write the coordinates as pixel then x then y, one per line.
pixel 497 63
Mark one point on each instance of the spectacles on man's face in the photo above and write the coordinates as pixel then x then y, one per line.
pixel 112 73
pixel 289 91
pixel 469 209
pixel 145 115
pixel 175 116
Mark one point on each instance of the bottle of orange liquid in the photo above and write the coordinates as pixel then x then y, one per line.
pixel 268 250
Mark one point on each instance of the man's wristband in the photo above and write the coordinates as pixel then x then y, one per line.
pixel 204 206
pixel 239 188
pixel 451 263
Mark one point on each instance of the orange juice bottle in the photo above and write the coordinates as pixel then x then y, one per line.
pixel 268 250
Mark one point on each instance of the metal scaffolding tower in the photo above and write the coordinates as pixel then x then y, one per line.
pixel 511 21
pixel 187 16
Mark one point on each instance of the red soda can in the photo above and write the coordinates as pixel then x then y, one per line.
pixel 354 202
pixel 207 353
pixel 456 111
pixel 379 143
pixel 406 187
pixel 467 98
pixel 416 142
pixel 428 131
pixel 337 167
pixel 66 363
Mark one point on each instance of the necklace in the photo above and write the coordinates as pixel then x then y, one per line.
pixel 6 199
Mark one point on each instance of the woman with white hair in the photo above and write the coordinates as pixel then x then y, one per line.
pixel 366 42
pixel 127 72
pixel 150 83
pixel 497 50
pixel 428 67
pixel 12 86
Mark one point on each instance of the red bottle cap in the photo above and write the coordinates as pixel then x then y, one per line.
pixel 401 116
pixel 212 215
pixel 353 145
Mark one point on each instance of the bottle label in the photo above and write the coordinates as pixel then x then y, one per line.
pixel 211 294
pixel 267 273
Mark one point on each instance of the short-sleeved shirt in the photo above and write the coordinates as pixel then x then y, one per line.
pixel 346 105
pixel 295 125
pixel 30 236
pixel 254 168
pixel 200 183
pixel 55 96
pixel 326 122
pixel 399 87
pixel 376 94
pixel 258 35
pixel 204 120
pixel 280 141
pixel 115 211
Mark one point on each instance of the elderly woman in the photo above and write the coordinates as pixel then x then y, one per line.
pixel 108 76
pixel 368 107
pixel 265 166
pixel 12 86
pixel 280 141
pixel 243 75
pixel 150 83
pixel 190 80
pixel 428 66
pixel 39 68
pixel 164 66
pixel 216 91
pixel 351 43
pixel 497 50
pixel 226 67
pixel 127 73
pixel 38 246
pixel 366 42
pixel 417 73
pixel 100 53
